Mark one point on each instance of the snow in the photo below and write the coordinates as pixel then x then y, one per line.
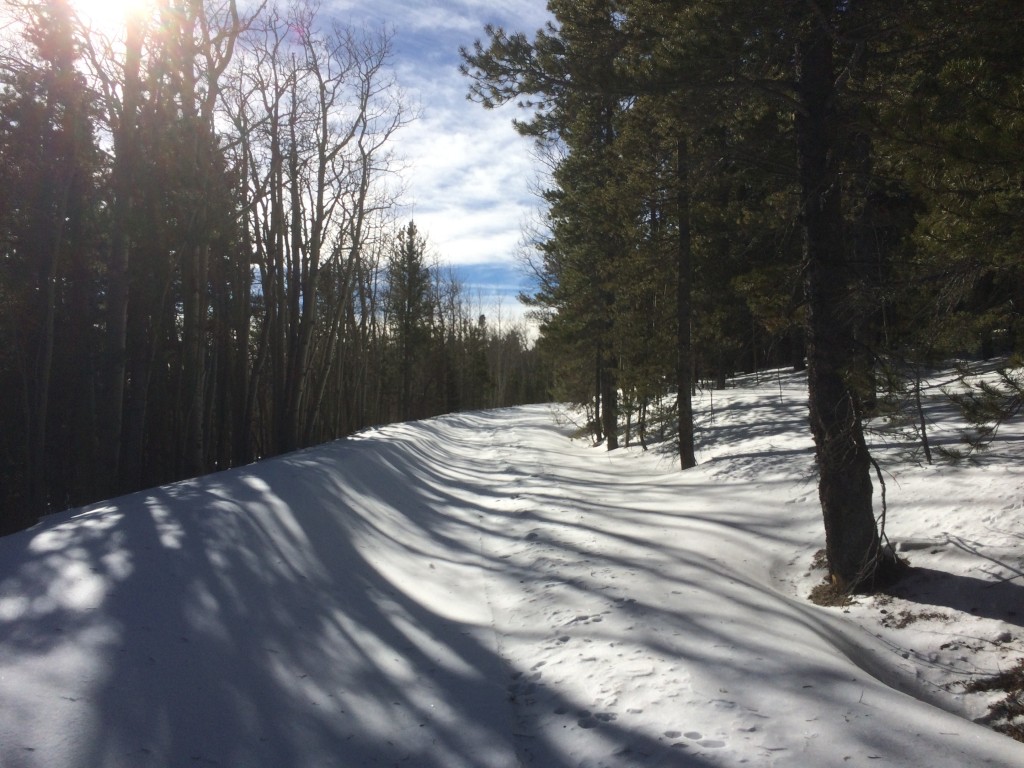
pixel 481 590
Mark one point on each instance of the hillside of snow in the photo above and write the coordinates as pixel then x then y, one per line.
pixel 480 590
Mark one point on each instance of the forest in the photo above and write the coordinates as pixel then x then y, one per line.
pixel 202 261
pixel 735 185
pixel 783 238
pixel 202 255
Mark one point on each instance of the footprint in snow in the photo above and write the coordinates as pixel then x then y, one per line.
pixel 593 721
pixel 698 737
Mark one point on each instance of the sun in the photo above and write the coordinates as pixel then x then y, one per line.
pixel 110 17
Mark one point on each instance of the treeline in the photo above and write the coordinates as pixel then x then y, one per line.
pixel 742 184
pixel 199 259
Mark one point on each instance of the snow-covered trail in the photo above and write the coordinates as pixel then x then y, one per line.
pixel 640 614
pixel 476 590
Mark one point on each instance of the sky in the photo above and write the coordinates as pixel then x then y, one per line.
pixel 482 591
pixel 469 175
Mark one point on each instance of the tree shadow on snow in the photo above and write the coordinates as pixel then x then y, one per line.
pixel 351 606
pixel 264 617
pixel 1000 599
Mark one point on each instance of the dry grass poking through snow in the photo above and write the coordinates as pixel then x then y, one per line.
pixel 1007 714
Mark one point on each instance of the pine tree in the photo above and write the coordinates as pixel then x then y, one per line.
pixel 409 310
pixel 47 268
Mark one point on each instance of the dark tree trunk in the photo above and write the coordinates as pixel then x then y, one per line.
pixel 124 172
pixel 684 290
pixel 844 487
pixel 610 400
pixel 43 374
pixel 195 268
pixel 598 398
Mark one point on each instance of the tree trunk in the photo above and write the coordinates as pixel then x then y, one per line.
pixel 684 290
pixel 43 373
pixel 610 401
pixel 195 303
pixel 921 420
pixel 125 138
pixel 844 486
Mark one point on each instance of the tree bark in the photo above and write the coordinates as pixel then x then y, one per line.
pixel 43 373
pixel 684 291
pixel 610 401
pixel 844 486
pixel 125 138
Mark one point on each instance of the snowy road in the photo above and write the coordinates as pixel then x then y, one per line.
pixel 474 591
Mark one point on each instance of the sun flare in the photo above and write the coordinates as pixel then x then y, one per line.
pixel 111 16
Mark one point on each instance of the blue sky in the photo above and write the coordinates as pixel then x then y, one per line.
pixel 494 286
pixel 469 175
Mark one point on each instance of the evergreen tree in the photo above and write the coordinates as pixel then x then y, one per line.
pixel 48 265
pixel 569 71
pixel 409 311
pixel 698 61
pixel 949 122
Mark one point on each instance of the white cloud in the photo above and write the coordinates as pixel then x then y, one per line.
pixel 470 186
pixel 468 173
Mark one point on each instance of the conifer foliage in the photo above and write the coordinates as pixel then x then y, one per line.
pixel 826 184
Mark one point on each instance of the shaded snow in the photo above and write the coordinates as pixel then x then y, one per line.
pixel 479 590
